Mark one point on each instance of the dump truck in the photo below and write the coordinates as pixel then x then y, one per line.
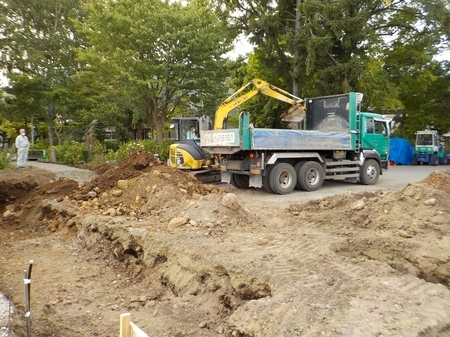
pixel 337 141
pixel 428 150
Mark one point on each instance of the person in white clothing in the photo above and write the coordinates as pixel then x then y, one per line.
pixel 22 146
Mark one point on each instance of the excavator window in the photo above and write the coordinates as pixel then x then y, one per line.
pixel 189 129
pixel 192 133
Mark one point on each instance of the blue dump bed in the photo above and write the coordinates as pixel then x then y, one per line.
pixel 280 139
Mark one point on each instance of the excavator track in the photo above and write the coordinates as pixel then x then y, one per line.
pixel 207 176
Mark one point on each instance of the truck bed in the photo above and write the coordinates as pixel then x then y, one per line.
pixel 229 140
pixel 276 139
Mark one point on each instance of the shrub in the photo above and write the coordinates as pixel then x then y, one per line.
pixel 150 146
pixel 4 161
pixel 71 153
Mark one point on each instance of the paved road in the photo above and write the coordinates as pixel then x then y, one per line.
pixel 394 178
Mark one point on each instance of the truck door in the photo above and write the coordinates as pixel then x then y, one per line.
pixel 376 136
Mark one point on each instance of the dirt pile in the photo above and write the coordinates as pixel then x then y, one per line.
pixel 17 186
pixel 393 228
pixel 140 187
pixel 187 259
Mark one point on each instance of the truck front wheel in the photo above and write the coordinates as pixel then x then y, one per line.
pixel 370 172
pixel 310 176
pixel 434 160
pixel 282 178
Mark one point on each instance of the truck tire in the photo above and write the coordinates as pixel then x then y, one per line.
pixel 310 176
pixel 266 178
pixel 434 160
pixel 240 181
pixel 414 160
pixel 370 172
pixel 282 178
pixel 297 169
pixel 443 160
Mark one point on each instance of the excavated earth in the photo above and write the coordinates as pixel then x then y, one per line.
pixel 187 259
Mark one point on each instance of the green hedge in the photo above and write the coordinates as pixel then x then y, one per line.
pixel 73 153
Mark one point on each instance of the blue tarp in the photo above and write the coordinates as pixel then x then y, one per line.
pixel 400 151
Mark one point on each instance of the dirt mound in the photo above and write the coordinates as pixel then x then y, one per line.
pixel 187 259
pixel 140 186
pixel 393 228
pixel 16 184
pixel 440 180
pixel 132 166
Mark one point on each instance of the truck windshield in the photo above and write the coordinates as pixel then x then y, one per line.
pixel 424 139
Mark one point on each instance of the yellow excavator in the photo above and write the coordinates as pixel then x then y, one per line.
pixel 186 153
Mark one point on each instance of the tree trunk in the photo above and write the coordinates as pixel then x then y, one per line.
pixel 158 119
pixel 51 124
pixel 51 131
pixel 296 87
pixel 159 124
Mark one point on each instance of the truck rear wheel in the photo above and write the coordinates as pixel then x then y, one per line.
pixel 443 160
pixel 240 181
pixel 297 169
pixel 370 172
pixel 282 178
pixel 310 176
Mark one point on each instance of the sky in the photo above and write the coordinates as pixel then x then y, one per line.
pixel 241 47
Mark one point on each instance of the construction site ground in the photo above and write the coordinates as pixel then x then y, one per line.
pixel 192 259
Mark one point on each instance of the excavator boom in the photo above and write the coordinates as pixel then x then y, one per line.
pixel 296 113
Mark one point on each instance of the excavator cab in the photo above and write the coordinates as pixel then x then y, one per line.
pixel 186 152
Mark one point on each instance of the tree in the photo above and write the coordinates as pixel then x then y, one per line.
pixel 36 42
pixel 165 58
pixel 339 42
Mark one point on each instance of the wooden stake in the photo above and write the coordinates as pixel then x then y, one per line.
pixel 125 325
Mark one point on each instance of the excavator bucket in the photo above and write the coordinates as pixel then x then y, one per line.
pixel 295 114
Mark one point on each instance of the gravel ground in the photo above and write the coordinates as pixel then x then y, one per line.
pixel 63 171
pixel 4 315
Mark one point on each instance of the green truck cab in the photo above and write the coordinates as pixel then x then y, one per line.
pixel 337 141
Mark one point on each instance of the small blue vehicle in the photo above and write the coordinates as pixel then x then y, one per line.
pixel 428 150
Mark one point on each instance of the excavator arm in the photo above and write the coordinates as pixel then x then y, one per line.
pixel 295 114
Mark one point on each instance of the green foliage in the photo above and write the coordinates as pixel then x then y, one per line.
pixel 158 148
pixel 71 153
pixel 38 51
pixel 9 130
pixel 4 161
pixel 161 69
pixel 338 46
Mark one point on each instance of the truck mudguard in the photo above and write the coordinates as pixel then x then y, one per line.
pixel 371 154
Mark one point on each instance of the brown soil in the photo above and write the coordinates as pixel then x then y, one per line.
pixel 187 259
